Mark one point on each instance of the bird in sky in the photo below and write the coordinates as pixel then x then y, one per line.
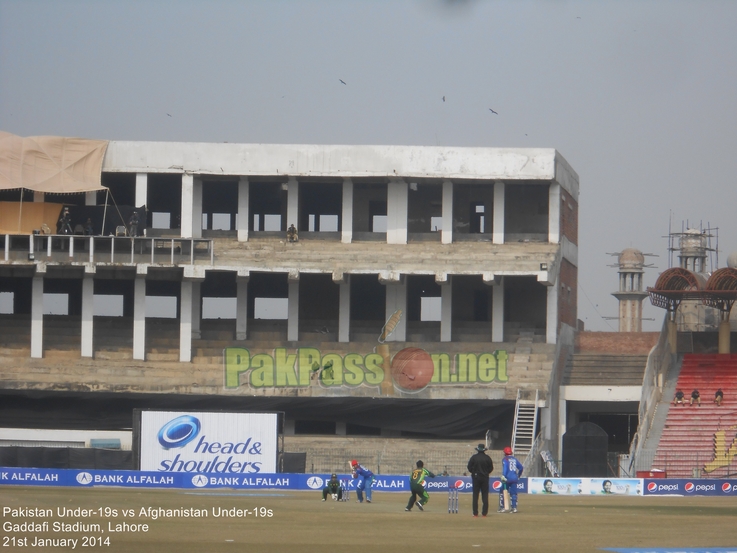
pixel 342 81
pixel 492 111
pixel 443 98
pixel 169 114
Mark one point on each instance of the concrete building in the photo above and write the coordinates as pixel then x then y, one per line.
pixel 428 290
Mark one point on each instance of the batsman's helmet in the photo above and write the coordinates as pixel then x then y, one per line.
pixel 354 463
pixel 333 476
pixel 507 451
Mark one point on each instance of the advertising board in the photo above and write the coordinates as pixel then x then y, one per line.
pixel 196 442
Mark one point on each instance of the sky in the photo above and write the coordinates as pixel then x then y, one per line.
pixel 640 97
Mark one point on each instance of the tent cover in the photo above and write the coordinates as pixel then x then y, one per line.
pixel 51 164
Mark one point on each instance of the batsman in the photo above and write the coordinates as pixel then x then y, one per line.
pixel 511 471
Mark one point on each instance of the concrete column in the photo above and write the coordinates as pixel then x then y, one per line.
pixel 196 308
pixel 346 235
pixel 554 213
pixel 37 317
pixel 551 320
pixel 88 289
pixel 562 422
pixel 396 298
pixel 139 318
pixel 141 189
pixel 446 312
pixel 293 203
pixel 187 205
pixel 197 208
pixel 396 212
pixel 90 198
pixel 447 232
pixel 344 311
pixel 185 321
pixel 724 334
pixel 497 236
pixel 497 311
pixel 293 308
pixel 243 217
pixel 39 197
pixel 341 428
pixel 241 305
pixel 672 329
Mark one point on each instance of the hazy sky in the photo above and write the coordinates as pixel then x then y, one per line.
pixel 640 97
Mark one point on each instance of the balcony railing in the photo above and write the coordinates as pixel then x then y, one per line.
pixel 60 248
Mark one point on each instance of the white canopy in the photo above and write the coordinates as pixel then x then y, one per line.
pixel 51 164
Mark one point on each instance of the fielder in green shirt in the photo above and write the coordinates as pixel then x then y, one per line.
pixel 416 486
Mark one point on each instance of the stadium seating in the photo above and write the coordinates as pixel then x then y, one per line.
pixel 691 433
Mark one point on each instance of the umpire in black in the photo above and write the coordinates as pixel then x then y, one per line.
pixel 480 467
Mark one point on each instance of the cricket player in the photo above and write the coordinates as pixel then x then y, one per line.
pixel 511 471
pixel 365 480
pixel 333 488
pixel 417 487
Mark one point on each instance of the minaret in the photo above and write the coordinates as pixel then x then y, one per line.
pixel 630 294
pixel 692 254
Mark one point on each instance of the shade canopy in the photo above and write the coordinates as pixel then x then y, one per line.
pixel 51 164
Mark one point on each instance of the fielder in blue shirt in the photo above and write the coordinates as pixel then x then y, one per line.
pixel 511 472
pixel 365 480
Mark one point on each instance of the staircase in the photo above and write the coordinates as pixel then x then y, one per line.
pixel 700 441
pixel 525 422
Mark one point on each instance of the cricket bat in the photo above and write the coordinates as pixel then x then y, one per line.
pixel 505 493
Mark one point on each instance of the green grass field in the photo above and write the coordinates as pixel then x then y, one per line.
pixel 300 522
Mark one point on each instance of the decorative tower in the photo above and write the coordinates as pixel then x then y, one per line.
pixel 630 295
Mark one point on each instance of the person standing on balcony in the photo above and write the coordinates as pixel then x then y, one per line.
pixel 133 224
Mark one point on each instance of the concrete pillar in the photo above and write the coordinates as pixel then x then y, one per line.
pixel 497 236
pixel 346 235
pixel 196 308
pixel 724 331
pixel 341 429
pixel 562 422
pixel 243 217
pixel 672 330
pixel 90 198
pixel 396 212
pixel 241 305
pixel 293 203
pixel 551 319
pixel 293 307
pixel 141 189
pixel 447 232
pixel 88 289
pixel 139 318
pixel 344 311
pixel 446 312
pixel 39 197
pixel 37 317
pixel 187 205
pixel 497 311
pixel 197 208
pixel 185 321
pixel 396 298
pixel 554 213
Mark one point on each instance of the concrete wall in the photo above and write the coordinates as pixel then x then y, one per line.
pixel 616 342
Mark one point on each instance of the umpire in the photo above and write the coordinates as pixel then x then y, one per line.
pixel 480 467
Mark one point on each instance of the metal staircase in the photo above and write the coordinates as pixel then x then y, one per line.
pixel 525 423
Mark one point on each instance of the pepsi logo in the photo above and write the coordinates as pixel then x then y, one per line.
pixel 652 486
pixel 179 432
pixel 726 487
pixel 497 485
pixel 689 487
pixel 458 484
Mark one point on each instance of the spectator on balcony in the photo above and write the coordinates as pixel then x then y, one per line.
pixel 133 224
pixel 718 397
pixel 679 398
pixel 695 396
pixel 88 228
pixel 292 234
pixel 65 222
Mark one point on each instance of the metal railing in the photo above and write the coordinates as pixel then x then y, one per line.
pixel 64 248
